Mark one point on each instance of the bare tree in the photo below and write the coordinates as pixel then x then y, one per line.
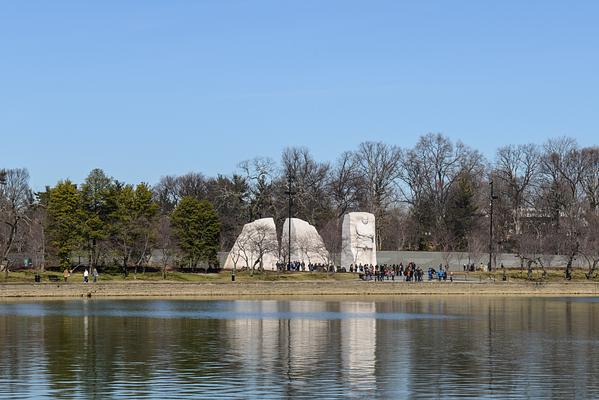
pixel 590 176
pixel 517 168
pixel 310 248
pixel 529 250
pixel 428 174
pixel 166 193
pixel 236 255
pixel 379 168
pixel 191 184
pixel 230 197
pixel 476 247
pixel 15 199
pixel 171 189
pixel 331 237
pixel 396 233
pixel 37 235
pixel 241 251
pixel 589 247
pixel 563 169
pixel 165 242
pixel 260 174
pixel 345 185
pixel 262 243
pixel 311 200
pixel 252 245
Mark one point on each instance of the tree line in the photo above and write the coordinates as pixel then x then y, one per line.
pixel 432 196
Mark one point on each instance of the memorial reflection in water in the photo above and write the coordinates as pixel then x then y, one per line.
pixel 422 346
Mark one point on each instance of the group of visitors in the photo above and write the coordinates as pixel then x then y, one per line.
pixel 410 273
pixel 471 268
pixel 440 274
pixel 302 266
pixel 66 274
pixel 370 272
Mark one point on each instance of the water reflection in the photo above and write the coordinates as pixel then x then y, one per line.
pixel 419 347
pixel 358 346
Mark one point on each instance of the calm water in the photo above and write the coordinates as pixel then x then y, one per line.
pixel 424 347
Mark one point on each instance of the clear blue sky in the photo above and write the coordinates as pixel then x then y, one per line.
pixel 148 88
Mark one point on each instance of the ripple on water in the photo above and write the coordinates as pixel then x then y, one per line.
pixel 417 348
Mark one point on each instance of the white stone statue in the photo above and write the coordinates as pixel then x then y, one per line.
pixel 306 244
pixel 358 245
pixel 257 246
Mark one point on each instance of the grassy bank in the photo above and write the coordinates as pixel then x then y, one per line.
pixel 21 285
pixel 27 276
pixel 512 275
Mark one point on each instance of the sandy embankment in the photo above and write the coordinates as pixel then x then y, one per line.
pixel 315 288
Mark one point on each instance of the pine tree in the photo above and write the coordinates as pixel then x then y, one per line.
pixel 197 227
pixel 95 207
pixel 64 221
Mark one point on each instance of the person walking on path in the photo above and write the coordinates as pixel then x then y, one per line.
pixel 65 274
pixel 95 274
pixel 85 276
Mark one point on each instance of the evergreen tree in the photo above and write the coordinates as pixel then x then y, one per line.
pixel 197 227
pixel 96 209
pixel 133 214
pixel 64 221
pixel 461 211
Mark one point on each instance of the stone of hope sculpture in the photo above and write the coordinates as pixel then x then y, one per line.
pixel 358 241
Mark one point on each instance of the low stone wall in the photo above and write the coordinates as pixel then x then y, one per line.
pixel 295 289
pixel 456 260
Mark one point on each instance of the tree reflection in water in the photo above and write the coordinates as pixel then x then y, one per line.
pixel 419 347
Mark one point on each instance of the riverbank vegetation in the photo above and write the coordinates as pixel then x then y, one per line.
pixel 511 275
pixel 435 195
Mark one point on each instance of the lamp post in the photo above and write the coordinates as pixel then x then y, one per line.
pixel 289 192
pixel 492 198
pixel 2 184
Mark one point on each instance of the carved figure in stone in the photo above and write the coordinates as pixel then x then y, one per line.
pixel 358 239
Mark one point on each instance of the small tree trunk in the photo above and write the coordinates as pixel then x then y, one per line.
pixel 529 272
pixel 43 258
pixel 11 238
pixel 93 257
pixel 521 266
pixel 544 273
pixel 592 268
pixel 568 272
pixel 571 260
pixel 125 269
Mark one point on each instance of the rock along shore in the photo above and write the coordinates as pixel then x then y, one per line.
pixel 305 288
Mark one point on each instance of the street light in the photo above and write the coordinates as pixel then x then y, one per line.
pixel 492 198
pixel 289 192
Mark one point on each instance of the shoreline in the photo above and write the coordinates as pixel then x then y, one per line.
pixel 159 289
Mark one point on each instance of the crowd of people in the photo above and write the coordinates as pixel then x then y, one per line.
pixel 302 266
pixel 410 273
